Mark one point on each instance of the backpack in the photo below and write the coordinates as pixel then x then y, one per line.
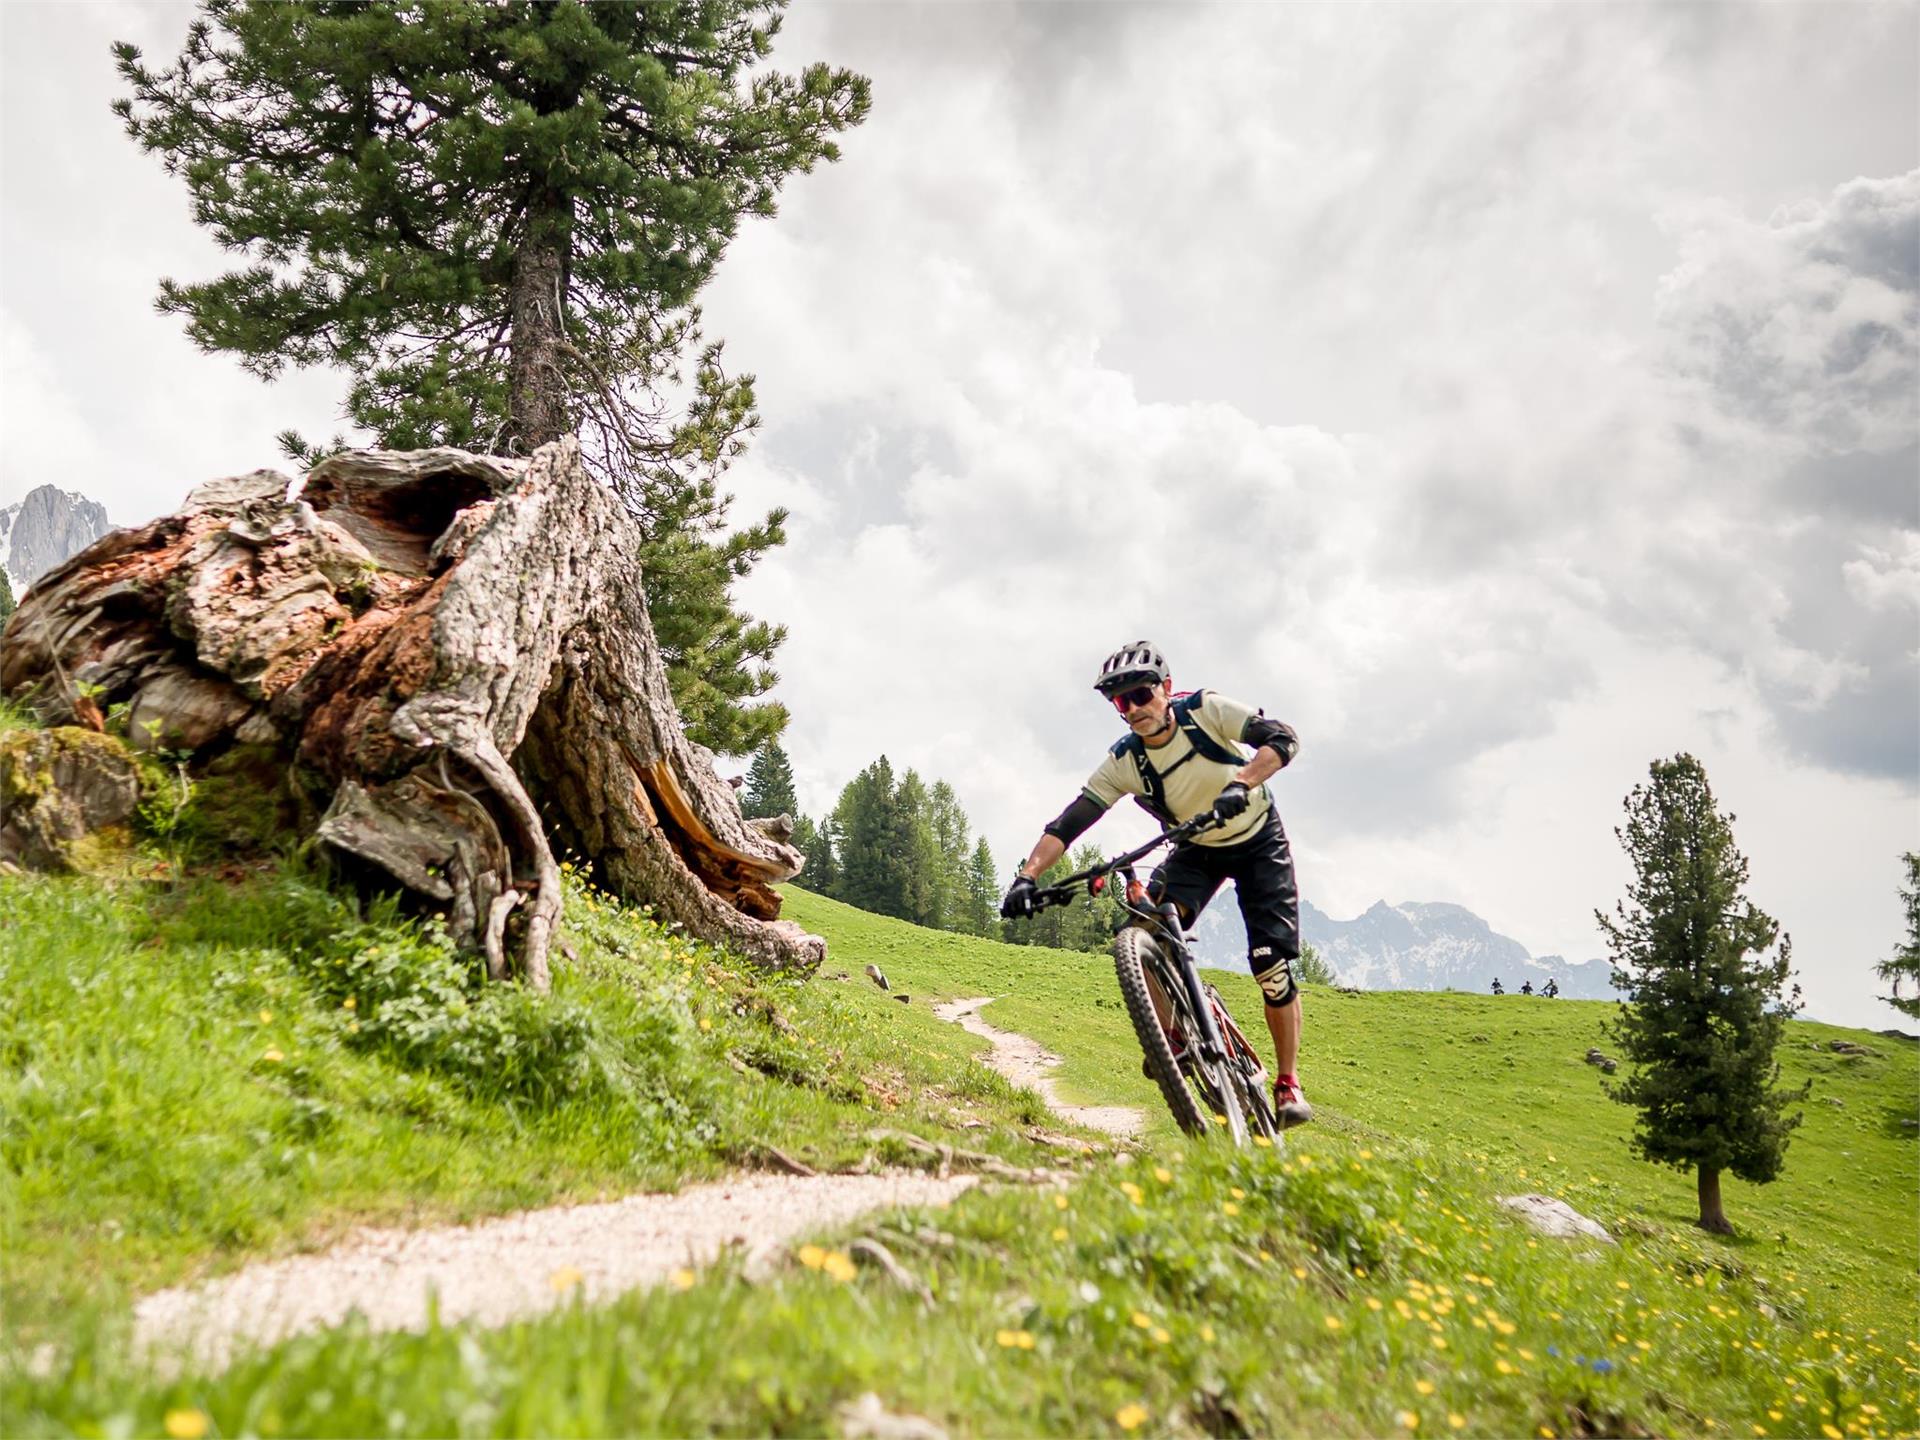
pixel 1154 802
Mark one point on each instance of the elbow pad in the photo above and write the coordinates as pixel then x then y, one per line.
pixel 1271 733
pixel 1071 823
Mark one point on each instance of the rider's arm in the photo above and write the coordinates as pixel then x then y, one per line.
pixel 1264 765
pixel 1270 735
pixel 1065 828
pixel 1049 849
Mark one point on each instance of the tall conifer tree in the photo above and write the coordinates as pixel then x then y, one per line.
pixel 496 218
pixel 1701 1020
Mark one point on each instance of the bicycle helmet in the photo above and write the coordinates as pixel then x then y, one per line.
pixel 1135 664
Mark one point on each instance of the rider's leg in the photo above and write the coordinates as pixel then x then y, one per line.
pixel 1283 1023
pixel 1270 904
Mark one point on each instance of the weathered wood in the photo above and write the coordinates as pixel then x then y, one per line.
pixel 454 651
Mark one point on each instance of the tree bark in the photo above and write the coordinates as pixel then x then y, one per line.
pixel 454 652
pixel 1712 1217
pixel 537 408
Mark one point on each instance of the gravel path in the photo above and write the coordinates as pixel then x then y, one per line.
pixel 500 1270
pixel 1023 1060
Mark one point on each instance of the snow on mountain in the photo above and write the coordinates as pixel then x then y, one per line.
pixel 1410 946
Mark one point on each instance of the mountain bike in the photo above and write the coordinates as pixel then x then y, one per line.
pixel 1211 1077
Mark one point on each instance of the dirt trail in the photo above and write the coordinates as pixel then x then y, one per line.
pixel 1024 1061
pixel 495 1271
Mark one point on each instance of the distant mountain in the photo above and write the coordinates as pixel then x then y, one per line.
pixel 1410 946
pixel 49 526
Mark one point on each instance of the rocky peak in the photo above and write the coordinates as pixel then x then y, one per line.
pixel 50 525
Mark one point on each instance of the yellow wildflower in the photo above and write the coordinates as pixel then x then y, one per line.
pixel 1059 1202
pixel 1131 1191
pixel 681 1279
pixel 1014 1339
pixel 705 1023
pixel 1366 1154
pixel 1502 1366
pixel 1130 1417
pixel 1059 1232
pixel 266 1017
pixel 812 1256
pixel 1262 1141
pixel 1142 1320
pixel 1408 1420
pixel 1373 1302
pixel 1162 1174
pixel 1161 1336
pixel 1237 1192
pixel 1206 1333
pixel 350 1003
pixel 839 1266
pixel 1334 1322
pixel 565 1278
pixel 1828 1430
pixel 272 1056
pixel 1425 1387
pixel 1439 1342
pixel 186 1424
pixel 1229 1208
pixel 1457 1421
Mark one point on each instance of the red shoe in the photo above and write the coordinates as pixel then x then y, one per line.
pixel 1289 1104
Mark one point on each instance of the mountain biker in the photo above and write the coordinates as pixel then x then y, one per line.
pixel 1183 757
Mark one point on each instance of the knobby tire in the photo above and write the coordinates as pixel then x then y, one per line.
pixel 1135 955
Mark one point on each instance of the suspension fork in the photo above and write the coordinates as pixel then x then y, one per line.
pixel 1213 1046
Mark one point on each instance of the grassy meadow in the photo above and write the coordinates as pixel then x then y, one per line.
pixel 186 1086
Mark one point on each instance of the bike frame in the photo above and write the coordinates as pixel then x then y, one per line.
pixel 1163 919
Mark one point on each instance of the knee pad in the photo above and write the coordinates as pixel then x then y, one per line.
pixel 1276 981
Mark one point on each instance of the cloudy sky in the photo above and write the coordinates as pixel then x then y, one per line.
pixel 1503 395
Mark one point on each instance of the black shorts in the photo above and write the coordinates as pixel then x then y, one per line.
pixel 1261 868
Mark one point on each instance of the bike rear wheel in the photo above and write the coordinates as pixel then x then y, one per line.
pixel 1195 1099
pixel 1246 1074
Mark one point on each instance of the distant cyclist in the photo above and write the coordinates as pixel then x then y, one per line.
pixel 1183 757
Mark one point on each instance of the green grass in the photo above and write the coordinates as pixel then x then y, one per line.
pixel 1363 1282
pixel 194 1077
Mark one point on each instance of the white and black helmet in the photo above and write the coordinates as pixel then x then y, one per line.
pixel 1130 665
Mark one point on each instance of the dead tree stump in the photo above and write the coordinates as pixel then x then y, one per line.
pixel 454 653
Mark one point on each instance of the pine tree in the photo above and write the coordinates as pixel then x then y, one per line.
pixel 769 787
pixel 864 823
pixel 915 854
pixel 6 597
pixel 982 893
pixel 497 219
pixel 1905 964
pixel 816 843
pixel 1312 969
pixel 1700 1021
pixel 952 846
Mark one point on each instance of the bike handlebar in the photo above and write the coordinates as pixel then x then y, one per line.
pixel 1062 891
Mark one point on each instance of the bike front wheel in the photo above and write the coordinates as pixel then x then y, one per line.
pixel 1194 1100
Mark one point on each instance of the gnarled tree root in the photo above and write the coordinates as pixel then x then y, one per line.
pixel 454 652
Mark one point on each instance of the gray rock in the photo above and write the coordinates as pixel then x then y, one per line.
pixel 1555 1217
pixel 869 1419
pixel 59 786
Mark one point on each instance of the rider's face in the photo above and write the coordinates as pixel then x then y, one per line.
pixel 1149 717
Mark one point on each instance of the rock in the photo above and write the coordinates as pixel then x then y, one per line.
pixel 1554 1217
pixel 1847 1047
pixel 1834 1100
pixel 869 1419
pixel 59 788
pixel 904 999
pixel 774 827
pixel 1605 1062
pixel 873 974
pixel 1479 1039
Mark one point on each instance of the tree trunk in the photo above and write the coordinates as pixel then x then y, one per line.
pixel 1712 1217
pixel 537 408
pixel 454 652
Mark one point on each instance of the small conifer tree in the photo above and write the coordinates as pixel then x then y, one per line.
pixel 769 787
pixel 1700 1020
pixel 1904 966
pixel 6 597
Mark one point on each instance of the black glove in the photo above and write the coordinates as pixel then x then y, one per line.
pixel 1019 902
pixel 1233 801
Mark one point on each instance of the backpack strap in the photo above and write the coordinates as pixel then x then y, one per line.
pixel 1154 801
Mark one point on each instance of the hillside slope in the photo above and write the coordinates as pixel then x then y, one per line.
pixel 1500 1081
pixel 186 1086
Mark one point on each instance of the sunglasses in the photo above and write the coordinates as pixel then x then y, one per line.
pixel 1135 698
